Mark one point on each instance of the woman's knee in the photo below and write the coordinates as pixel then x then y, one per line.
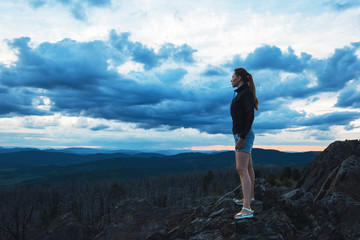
pixel 241 169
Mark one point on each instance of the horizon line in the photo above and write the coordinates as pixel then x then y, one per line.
pixel 282 148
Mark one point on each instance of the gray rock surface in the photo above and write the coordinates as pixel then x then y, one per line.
pixel 316 173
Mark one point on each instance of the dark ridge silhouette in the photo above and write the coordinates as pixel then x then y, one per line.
pixel 32 167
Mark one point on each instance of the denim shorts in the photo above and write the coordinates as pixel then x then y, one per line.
pixel 249 141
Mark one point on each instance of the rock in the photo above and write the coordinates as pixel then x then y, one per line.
pixel 277 237
pixel 316 173
pixel 226 203
pixel 226 231
pixel 200 212
pixel 257 206
pixel 199 224
pixel 316 231
pixel 203 236
pixel 345 178
pixel 292 195
pixel 66 227
pixel 214 214
pixel 105 220
pixel 244 226
pixel 343 211
pixel 110 232
pixel 160 235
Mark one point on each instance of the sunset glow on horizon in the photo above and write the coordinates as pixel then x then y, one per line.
pixel 283 148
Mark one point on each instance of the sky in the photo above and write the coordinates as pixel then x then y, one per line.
pixel 155 75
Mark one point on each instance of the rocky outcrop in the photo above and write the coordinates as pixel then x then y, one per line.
pixel 345 178
pixel 327 164
pixel 334 179
pixel 280 213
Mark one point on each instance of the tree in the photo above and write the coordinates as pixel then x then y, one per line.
pixel 286 182
pixel 271 179
pixel 207 179
pixel 295 174
pixel 286 173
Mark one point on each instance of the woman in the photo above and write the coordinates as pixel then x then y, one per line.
pixel 242 113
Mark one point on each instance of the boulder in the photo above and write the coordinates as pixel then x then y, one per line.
pixel 316 173
pixel 344 178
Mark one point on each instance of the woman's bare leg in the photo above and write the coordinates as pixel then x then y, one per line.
pixel 252 176
pixel 242 162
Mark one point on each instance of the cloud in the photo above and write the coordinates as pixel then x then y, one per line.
pixel 64 64
pixel 322 135
pixel 324 121
pixel 286 118
pixel 100 127
pixel 81 79
pixel 171 76
pixel 37 3
pixel 343 5
pixel 279 74
pixel 20 101
pixel 211 71
pixel 342 67
pixel 78 8
pixel 39 123
pixel 77 78
pixel 271 57
pixel 349 98
pixel 279 119
pixel 147 56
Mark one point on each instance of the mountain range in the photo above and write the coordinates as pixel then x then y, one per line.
pixel 44 166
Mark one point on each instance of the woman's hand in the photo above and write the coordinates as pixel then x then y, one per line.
pixel 240 144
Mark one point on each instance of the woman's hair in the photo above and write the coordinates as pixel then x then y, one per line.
pixel 247 78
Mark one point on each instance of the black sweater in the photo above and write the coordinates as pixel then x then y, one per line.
pixel 242 110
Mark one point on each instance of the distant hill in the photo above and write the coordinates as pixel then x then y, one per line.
pixel 39 166
pixel 35 158
pixel 10 150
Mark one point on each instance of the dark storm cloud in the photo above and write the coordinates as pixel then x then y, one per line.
pixel 269 62
pixel 280 119
pixel 281 77
pixel 342 67
pixel 324 121
pixel 147 56
pixel 18 101
pixel 349 98
pixel 67 64
pixel 76 76
pixel 288 118
pixel 80 79
pixel 271 57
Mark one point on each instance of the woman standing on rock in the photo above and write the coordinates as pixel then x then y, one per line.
pixel 242 113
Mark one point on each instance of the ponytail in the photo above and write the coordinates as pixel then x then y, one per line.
pixel 253 90
pixel 247 78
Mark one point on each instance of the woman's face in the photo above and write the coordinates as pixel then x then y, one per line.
pixel 235 80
